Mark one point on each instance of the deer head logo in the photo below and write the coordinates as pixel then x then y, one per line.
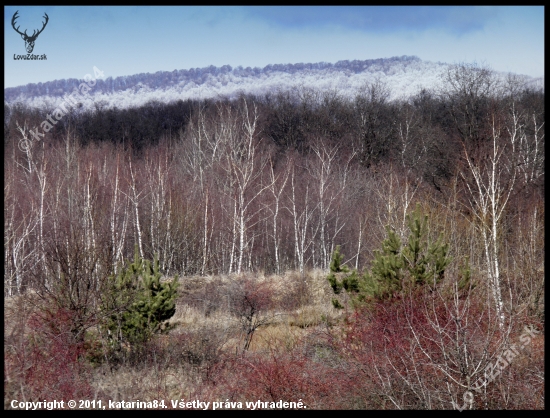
pixel 29 40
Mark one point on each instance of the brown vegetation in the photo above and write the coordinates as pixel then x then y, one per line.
pixel 246 205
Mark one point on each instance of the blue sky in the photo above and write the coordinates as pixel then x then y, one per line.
pixel 141 39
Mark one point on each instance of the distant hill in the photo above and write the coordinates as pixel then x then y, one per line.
pixel 405 76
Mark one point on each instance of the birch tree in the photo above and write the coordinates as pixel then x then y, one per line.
pixel 277 187
pixel 490 182
pixel 20 256
pixel 118 220
pixel 36 169
pixel 243 165
pixel 323 171
pixel 301 218
pixel 201 151
pixel 135 198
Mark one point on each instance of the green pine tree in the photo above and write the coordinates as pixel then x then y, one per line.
pixel 425 262
pixel 417 262
pixel 385 277
pixel 336 267
pixel 136 303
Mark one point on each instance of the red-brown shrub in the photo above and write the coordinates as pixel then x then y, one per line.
pixel 289 377
pixel 421 350
pixel 251 301
pixel 52 365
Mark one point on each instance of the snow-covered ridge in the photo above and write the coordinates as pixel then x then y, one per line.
pixel 405 76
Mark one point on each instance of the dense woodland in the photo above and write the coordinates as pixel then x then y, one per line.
pixel 270 186
pixel 212 76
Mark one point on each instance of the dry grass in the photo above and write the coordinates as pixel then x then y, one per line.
pixel 196 358
pixel 202 329
pixel 304 301
pixel 129 383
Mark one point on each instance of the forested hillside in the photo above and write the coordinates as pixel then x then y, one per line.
pixel 267 186
pixel 404 77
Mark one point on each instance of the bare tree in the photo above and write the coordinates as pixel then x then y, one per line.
pixel 323 171
pixel 118 230
pixel 277 187
pixel 243 166
pixel 20 256
pixel 135 198
pixel 396 194
pixel 468 89
pixel 490 182
pixel 200 159
pixel 374 122
pixel 302 212
pixel 36 168
pixel 251 302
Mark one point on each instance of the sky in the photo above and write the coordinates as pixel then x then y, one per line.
pixel 127 40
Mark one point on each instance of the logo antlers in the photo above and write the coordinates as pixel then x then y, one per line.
pixel 29 40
